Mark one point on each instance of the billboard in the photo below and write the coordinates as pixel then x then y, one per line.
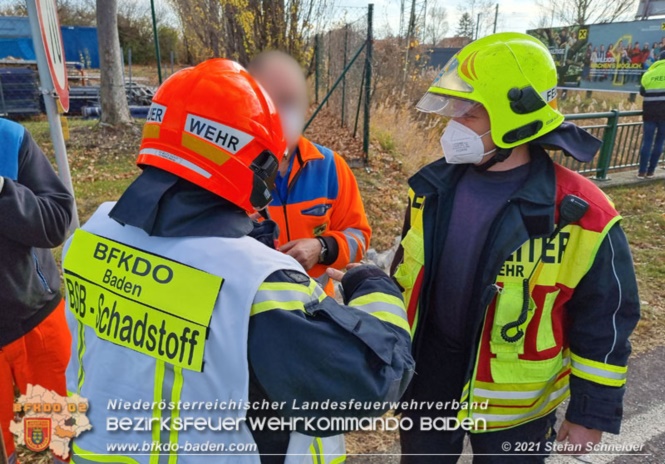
pixel 608 57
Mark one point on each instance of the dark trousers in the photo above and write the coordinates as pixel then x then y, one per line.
pixel 652 146
pixel 526 444
pixel 440 371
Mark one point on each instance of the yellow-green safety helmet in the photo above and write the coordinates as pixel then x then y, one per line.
pixel 512 75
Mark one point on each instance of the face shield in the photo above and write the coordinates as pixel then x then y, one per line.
pixel 445 105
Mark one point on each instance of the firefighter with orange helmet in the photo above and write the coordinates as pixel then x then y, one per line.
pixel 175 296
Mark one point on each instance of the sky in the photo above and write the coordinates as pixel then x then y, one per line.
pixel 514 15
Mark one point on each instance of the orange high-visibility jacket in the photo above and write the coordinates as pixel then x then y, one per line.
pixel 323 200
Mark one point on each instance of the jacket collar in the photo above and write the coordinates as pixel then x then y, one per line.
pixel 164 205
pixel 304 153
pixel 536 198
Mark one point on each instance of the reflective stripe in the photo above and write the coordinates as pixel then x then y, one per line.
pixel 355 239
pixel 81 352
pixel 286 296
pixel 317 451
pixel 650 99
pixel 176 392
pixel 521 394
pixel 604 374
pixel 387 308
pixel 338 460
pixel 532 413
pixel 353 247
pixel 156 412
pixel 81 456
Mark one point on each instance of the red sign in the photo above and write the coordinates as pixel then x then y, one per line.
pixel 49 26
pixel 37 433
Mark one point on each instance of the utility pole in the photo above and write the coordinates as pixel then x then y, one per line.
pixel 477 25
pixel 409 38
pixel 496 17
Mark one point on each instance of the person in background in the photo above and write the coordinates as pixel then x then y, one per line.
pixel 653 117
pixel 316 201
pixel 36 210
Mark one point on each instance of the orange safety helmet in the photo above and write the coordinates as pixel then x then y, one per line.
pixel 216 127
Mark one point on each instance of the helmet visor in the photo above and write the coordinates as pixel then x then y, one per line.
pixel 445 105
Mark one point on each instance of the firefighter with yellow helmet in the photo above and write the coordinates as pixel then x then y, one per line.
pixel 517 277
pixel 179 304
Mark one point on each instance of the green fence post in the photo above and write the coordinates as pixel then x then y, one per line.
pixel 368 82
pixel 606 149
pixel 317 66
pixel 346 43
pixel 156 38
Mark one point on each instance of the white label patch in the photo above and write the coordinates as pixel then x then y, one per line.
pixel 156 113
pixel 549 95
pixel 225 137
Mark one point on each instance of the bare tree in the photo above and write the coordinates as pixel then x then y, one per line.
pixel 112 88
pixel 583 12
pixel 437 24
pixel 239 29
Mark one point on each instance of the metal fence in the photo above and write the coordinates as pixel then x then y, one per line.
pixel 343 74
pixel 621 133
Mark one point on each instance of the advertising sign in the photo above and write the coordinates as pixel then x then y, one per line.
pixel 608 57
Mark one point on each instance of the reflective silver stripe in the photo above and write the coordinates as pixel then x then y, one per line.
pixel 284 296
pixel 353 247
pixel 176 159
pixel 516 395
pixel 599 372
pixel 650 99
pixel 380 306
pixel 510 417
pixel 356 234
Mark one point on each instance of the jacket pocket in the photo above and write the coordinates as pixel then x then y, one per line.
pixel 545 339
pixel 509 304
pixel 414 258
pixel 524 370
pixel 40 274
pixel 506 366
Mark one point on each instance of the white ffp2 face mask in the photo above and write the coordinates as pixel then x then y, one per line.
pixel 293 121
pixel 461 145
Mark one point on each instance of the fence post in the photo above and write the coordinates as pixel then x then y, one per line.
pixel 156 38
pixel 368 81
pixel 317 66
pixel 609 137
pixel 346 42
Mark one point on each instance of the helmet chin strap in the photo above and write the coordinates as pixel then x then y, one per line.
pixel 501 155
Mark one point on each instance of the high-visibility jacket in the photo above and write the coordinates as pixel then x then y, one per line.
pixel 323 200
pixel 582 298
pixel 173 313
pixel 653 91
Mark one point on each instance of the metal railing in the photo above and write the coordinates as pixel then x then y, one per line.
pixel 621 133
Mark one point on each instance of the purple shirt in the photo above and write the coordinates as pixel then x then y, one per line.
pixel 479 197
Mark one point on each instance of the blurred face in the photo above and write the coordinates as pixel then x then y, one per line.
pixel 284 81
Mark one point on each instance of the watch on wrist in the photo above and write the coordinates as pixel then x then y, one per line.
pixel 324 250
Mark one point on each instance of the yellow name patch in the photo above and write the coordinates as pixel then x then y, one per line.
pixel 139 300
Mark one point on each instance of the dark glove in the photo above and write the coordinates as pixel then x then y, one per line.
pixel 266 232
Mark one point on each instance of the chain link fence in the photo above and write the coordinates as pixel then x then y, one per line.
pixel 343 75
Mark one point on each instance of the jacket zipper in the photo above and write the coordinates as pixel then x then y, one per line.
pixel 285 201
pixel 40 274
